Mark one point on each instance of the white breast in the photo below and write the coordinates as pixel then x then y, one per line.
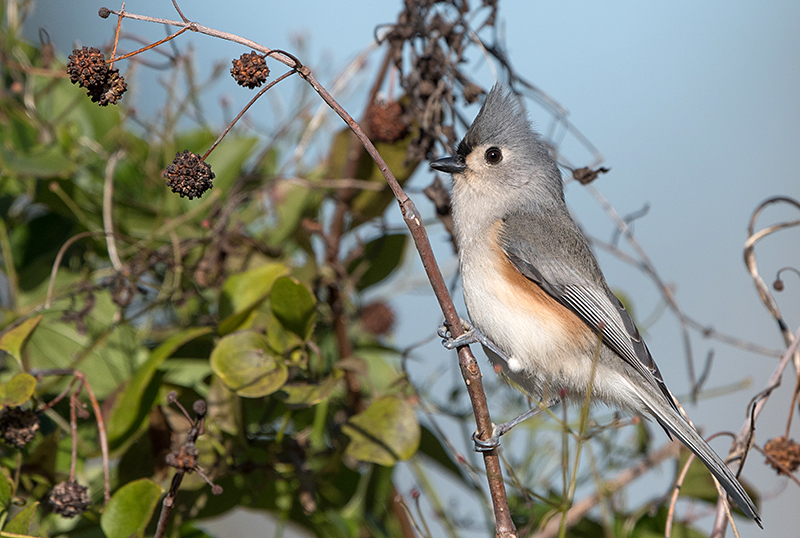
pixel 546 358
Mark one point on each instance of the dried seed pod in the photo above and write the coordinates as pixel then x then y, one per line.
pixel 69 499
pixel 385 122
pixel 377 318
pixel 18 426
pixel 786 451
pixel 250 70
pixel 87 67
pixel 184 459
pixel 472 92
pixel 110 92
pixel 189 175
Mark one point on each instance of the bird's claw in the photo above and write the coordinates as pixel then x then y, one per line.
pixel 469 336
pixel 486 445
pixel 493 441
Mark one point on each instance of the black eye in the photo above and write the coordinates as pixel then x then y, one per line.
pixel 494 155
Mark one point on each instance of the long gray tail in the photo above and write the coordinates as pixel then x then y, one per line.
pixel 675 424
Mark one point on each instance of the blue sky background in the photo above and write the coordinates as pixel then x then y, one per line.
pixel 695 107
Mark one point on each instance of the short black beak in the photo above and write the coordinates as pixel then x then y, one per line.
pixel 451 165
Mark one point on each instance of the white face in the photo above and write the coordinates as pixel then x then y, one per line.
pixel 483 163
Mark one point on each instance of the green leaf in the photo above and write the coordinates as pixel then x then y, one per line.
pixel 308 394
pixel 132 409
pixel 5 492
pixel 643 437
pixel 369 204
pixel 296 202
pixel 385 433
pixel 431 447
pixel 21 523
pixel 381 257
pixel 14 341
pixel 41 162
pixel 228 158
pixel 19 389
pixel 130 509
pixel 242 293
pixel 699 484
pixel 653 524
pixel 294 305
pixel 246 365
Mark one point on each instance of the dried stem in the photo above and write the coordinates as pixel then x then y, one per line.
pixel 180 13
pixel 649 268
pixel 108 215
pixel 60 256
pixel 247 106
pixel 116 36
pixel 674 497
pixel 101 431
pixel 101 428
pixel 57 263
pixel 754 237
pixel 775 462
pixel 73 423
pixel 744 438
pixel 705 330
pixel 168 503
pixel 791 406
pixel 148 47
pixel 625 477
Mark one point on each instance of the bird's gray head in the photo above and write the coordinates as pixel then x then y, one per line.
pixel 502 153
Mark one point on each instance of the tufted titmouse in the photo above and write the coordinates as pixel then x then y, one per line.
pixel 534 291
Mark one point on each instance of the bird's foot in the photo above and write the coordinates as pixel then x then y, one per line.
pixel 485 445
pixel 470 335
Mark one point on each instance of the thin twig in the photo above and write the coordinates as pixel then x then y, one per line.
pixel 343 184
pixel 674 497
pixel 775 462
pixel 150 46
pixel 194 27
pixel 101 431
pixel 198 426
pixel 175 5
pixel 116 36
pixel 705 331
pixel 744 438
pixel 73 423
pixel 108 215
pixel 625 477
pixel 101 428
pixel 754 237
pixel 57 262
pixel 649 268
pixel 246 107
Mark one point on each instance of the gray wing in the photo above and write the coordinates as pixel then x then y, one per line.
pixel 565 268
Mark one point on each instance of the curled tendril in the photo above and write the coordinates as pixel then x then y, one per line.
pixel 778 284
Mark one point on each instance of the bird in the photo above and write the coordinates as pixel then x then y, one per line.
pixel 536 297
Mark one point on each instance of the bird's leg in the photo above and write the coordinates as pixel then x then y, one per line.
pixel 501 429
pixel 471 336
pixel 474 336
